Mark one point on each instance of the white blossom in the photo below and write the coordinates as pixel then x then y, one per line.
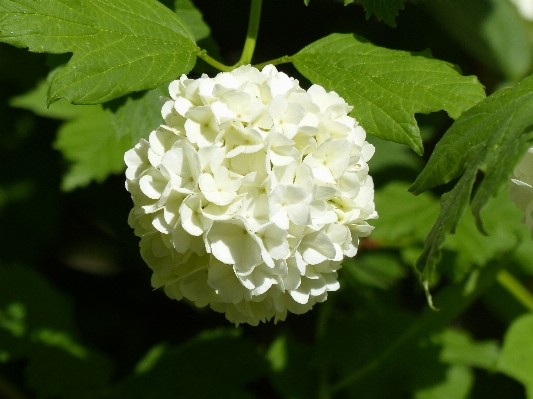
pixel 521 187
pixel 251 193
pixel 525 8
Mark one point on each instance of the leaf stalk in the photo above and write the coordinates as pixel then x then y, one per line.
pixel 214 63
pixel 281 60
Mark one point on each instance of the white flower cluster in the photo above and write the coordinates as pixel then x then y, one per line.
pixel 251 193
pixel 525 8
pixel 521 187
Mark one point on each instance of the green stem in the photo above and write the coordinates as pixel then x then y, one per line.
pixel 251 35
pixel 281 60
pixel 214 63
pixel 511 284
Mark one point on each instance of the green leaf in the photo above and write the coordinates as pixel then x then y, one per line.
pixel 192 17
pixel 403 218
pixel 90 143
pixel 118 46
pixel 380 270
pixel 384 10
pixel 391 156
pixel 89 140
pixel 35 101
pixel 490 138
pixel 138 115
pixel 501 220
pixel 387 87
pixel 457 383
pixel 459 348
pixel 490 30
pixel 192 371
pixel 36 322
pixel 394 340
pixel 291 372
pixel 516 359
pixel 406 220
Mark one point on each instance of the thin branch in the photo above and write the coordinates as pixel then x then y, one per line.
pixel 214 63
pixel 281 60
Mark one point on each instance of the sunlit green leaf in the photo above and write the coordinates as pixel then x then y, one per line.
pixel 90 143
pixel 387 87
pixel 118 46
pixel 192 17
pixel 457 383
pixel 489 138
pixel 459 348
pixel 138 115
pixel 35 101
pixel 516 358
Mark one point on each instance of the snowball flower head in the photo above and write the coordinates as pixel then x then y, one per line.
pixel 521 187
pixel 525 8
pixel 250 194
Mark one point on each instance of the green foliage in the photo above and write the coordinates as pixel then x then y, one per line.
pixel 384 10
pixel 496 132
pixel 292 372
pixel 35 101
pixel 220 364
pixel 90 143
pixel 118 46
pixel 387 87
pixel 192 17
pixel 459 348
pixel 88 140
pixel 376 337
pixel 137 116
pixel 491 30
pixel 516 359
pixel 36 323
